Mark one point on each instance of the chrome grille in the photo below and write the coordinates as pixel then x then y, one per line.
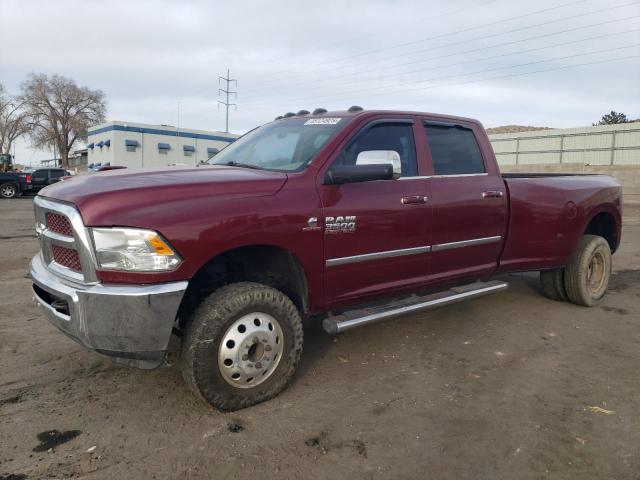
pixel 65 244
pixel 59 224
pixel 66 257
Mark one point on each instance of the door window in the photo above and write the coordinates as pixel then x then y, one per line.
pixel 56 174
pixel 40 175
pixel 384 136
pixel 454 150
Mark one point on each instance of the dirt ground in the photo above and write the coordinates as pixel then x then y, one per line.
pixel 511 386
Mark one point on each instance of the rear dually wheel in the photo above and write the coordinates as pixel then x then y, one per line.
pixel 552 282
pixel 587 274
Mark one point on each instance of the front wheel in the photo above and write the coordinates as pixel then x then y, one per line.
pixel 8 190
pixel 587 274
pixel 241 345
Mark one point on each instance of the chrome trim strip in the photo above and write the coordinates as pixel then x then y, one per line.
pixel 462 175
pixel 465 243
pixel 454 297
pixel 332 262
pixel 423 177
pixel 58 239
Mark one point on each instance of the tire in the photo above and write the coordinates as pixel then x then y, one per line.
pixel 587 274
pixel 552 282
pixel 8 190
pixel 266 331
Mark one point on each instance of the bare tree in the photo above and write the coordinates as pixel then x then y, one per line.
pixel 14 121
pixel 61 111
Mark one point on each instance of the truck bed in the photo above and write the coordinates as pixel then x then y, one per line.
pixel 548 213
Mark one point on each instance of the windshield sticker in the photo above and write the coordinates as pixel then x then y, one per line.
pixel 322 121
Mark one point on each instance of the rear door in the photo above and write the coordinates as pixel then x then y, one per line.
pixel 55 175
pixel 375 233
pixel 40 179
pixel 468 202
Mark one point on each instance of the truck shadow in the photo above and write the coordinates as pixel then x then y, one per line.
pixel 530 279
pixel 316 345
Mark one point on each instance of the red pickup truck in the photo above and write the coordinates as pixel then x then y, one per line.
pixel 346 217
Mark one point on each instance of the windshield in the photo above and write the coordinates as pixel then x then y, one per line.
pixel 286 145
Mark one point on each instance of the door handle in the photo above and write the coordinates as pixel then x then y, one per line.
pixel 414 199
pixel 492 194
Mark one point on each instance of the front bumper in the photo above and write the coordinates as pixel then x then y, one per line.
pixel 131 324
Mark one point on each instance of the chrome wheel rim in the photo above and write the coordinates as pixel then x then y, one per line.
pixel 250 350
pixel 596 273
pixel 7 191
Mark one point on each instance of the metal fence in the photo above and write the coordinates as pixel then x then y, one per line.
pixel 599 145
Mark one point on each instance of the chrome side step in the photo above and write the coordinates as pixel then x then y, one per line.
pixel 416 303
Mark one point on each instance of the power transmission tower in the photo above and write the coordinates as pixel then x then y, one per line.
pixel 227 92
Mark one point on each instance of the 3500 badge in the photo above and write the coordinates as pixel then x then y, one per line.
pixel 341 224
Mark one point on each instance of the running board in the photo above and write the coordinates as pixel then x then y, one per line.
pixel 416 303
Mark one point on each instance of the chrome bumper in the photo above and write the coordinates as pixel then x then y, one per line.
pixel 130 323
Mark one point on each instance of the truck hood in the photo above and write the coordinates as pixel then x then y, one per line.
pixel 101 196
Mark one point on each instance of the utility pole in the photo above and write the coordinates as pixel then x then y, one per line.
pixel 227 92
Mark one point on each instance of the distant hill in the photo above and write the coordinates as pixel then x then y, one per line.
pixel 514 129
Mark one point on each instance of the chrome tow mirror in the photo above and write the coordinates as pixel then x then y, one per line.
pixel 381 157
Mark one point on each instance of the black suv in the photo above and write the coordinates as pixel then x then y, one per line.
pixel 45 176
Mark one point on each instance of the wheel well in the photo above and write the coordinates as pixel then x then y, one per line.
pixel 264 264
pixel 604 225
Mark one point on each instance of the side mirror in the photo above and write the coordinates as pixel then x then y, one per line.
pixel 381 157
pixel 339 174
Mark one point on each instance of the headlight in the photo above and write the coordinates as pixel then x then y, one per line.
pixel 133 250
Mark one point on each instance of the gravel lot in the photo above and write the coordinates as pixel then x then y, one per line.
pixel 512 386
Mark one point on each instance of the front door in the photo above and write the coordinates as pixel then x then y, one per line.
pixel 376 232
pixel 469 205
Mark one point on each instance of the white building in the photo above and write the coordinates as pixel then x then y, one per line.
pixel 137 145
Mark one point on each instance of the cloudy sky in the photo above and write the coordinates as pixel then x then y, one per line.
pixel 556 63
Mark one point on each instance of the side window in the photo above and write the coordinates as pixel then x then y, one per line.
pixel 40 175
pixel 385 136
pixel 131 145
pixel 163 148
pixel 454 150
pixel 55 174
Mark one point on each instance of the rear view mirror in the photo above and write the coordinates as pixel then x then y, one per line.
pixel 358 173
pixel 381 157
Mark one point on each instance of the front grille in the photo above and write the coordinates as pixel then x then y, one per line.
pixel 59 224
pixel 66 257
pixel 64 242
